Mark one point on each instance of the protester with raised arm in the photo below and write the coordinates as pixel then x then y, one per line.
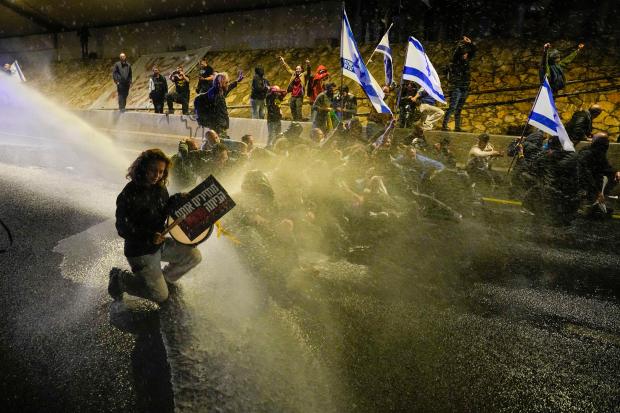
pixel 297 88
pixel 458 81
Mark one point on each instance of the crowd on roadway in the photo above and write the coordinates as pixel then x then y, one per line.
pixel 547 178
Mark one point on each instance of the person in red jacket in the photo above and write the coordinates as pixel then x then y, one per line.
pixel 316 82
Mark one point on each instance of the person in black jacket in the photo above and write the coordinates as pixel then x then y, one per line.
pixel 158 87
pixel 555 195
pixel 211 109
pixel 205 77
pixel 593 166
pixel 458 81
pixel 260 87
pixel 141 211
pixel 579 127
pixel 181 91
pixel 121 74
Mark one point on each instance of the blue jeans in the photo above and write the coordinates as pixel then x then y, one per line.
pixel 457 100
pixel 258 108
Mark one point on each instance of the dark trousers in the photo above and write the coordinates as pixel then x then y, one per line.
pixel 175 97
pixel 296 103
pixel 274 127
pixel 457 100
pixel 123 92
pixel 158 103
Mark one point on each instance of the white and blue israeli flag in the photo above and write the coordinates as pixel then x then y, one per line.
pixel 384 48
pixel 418 68
pixel 545 116
pixel 354 68
pixel 17 72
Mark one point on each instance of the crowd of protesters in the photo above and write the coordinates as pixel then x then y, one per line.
pixel 546 177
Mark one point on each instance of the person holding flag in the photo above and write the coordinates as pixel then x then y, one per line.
pixel 354 68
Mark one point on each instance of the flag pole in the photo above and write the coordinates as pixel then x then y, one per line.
pixel 341 69
pixel 400 88
pixel 373 52
pixel 525 127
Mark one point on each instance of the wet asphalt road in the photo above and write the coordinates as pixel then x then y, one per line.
pixel 500 334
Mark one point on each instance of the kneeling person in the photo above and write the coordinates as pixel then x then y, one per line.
pixel 141 211
pixel 181 92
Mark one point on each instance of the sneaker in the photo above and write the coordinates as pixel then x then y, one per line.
pixel 445 128
pixel 114 284
pixel 458 130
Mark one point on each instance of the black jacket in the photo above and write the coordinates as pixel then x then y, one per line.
pixel 593 166
pixel 211 109
pixel 122 74
pixel 579 127
pixel 160 86
pixel 141 211
pixel 459 70
pixel 260 86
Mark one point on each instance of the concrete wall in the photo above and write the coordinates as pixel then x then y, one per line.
pixel 296 26
pixel 166 130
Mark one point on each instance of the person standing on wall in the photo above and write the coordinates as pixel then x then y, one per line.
pixel 122 78
pixel 211 108
pixel 181 91
pixel 297 88
pixel 458 80
pixel 205 77
pixel 260 87
pixel 158 87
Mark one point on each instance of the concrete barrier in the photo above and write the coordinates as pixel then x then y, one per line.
pixel 163 126
pixel 152 127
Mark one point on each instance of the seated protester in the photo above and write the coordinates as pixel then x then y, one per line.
pixel 294 131
pixel 249 142
pixel 322 107
pixel 593 167
pixel 411 160
pixel 181 92
pixel 523 175
pixel 442 152
pixel 184 165
pixel 158 88
pixel 429 111
pixel 555 194
pixel 480 158
pixel 205 77
pixel 211 108
pixel 210 139
pixel 345 104
pixel 215 161
pixel 274 99
pixel 141 212
pixel 377 122
pixel 317 136
pixel 579 127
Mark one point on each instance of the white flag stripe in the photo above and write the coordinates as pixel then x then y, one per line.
pixel 545 116
pixel 354 68
pixel 17 71
pixel 418 68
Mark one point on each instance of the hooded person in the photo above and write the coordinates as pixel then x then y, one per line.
pixel 579 127
pixel 553 66
pixel 594 167
pixel 316 83
pixel 260 88
pixel 555 194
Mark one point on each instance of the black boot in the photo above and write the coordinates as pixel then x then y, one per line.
pixel 114 284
